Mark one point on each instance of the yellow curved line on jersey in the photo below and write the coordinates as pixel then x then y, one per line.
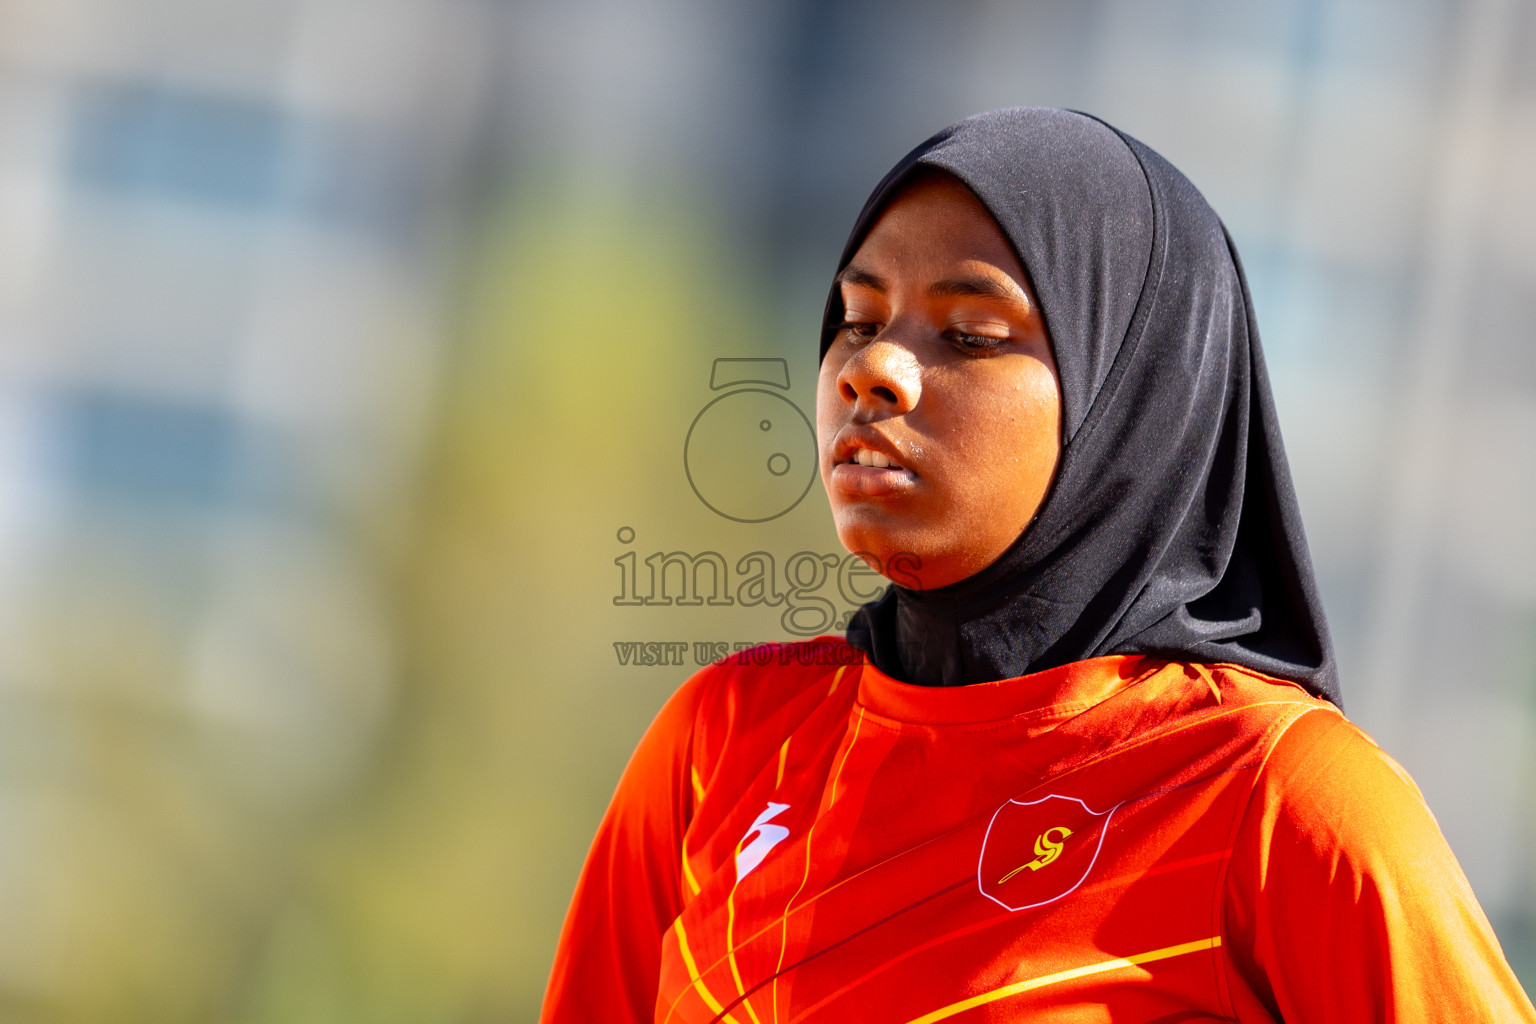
pixel 806 877
pixel 687 874
pixel 783 755
pixel 807 1012
pixel 698 796
pixel 1031 984
pixel 693 972
pixel 730 950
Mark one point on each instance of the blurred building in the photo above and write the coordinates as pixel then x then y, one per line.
pixel 222 285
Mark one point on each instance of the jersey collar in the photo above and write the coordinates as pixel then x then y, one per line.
pixel 1054 693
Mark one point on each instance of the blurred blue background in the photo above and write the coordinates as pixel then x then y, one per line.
pixel 348 354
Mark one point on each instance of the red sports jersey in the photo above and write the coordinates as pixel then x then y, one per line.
pixel 1121 839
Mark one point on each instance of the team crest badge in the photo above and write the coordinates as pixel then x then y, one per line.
pixel 1037 851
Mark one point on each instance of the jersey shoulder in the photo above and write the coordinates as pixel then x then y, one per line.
pixel 1199 716
pixel 1249 686
pixel 1210 699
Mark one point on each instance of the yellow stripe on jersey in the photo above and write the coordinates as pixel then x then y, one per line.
pixel 693 883
pixel 730 953
pixel 1077 972
pixel 698 797
pixel 789 907
pixel 693 972
pixel 837 677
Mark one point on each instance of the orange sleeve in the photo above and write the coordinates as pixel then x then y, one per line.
pixel 608 961
pixel 1344 903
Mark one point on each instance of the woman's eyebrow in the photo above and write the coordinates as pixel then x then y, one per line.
pixel 856 276
pixel 977 285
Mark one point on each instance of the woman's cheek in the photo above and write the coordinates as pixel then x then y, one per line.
pixel 1039 412
pixel 1025 423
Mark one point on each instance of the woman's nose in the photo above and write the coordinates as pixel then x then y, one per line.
pixel 883 376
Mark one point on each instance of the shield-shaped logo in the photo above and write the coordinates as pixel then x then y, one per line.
pixel 1037 851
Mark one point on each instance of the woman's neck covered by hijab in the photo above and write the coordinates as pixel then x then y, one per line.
pixel 967 632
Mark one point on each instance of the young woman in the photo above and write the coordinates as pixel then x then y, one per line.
pixel 1085 762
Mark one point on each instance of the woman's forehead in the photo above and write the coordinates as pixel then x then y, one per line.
pixel 932 226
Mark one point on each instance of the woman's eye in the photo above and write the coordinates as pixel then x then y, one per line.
pixel 975 344
pixel 860 329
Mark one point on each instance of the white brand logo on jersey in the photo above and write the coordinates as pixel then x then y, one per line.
pixel 750 855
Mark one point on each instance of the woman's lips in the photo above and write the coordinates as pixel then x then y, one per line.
pixel 863 474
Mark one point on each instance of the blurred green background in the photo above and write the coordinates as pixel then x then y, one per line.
pixel 357 355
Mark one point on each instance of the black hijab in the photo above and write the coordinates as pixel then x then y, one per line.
pixel 1172 526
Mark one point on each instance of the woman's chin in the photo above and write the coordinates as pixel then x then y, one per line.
pixel 896 553
pixel 908 551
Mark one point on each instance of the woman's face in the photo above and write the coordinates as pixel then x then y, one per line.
pixel 938 408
